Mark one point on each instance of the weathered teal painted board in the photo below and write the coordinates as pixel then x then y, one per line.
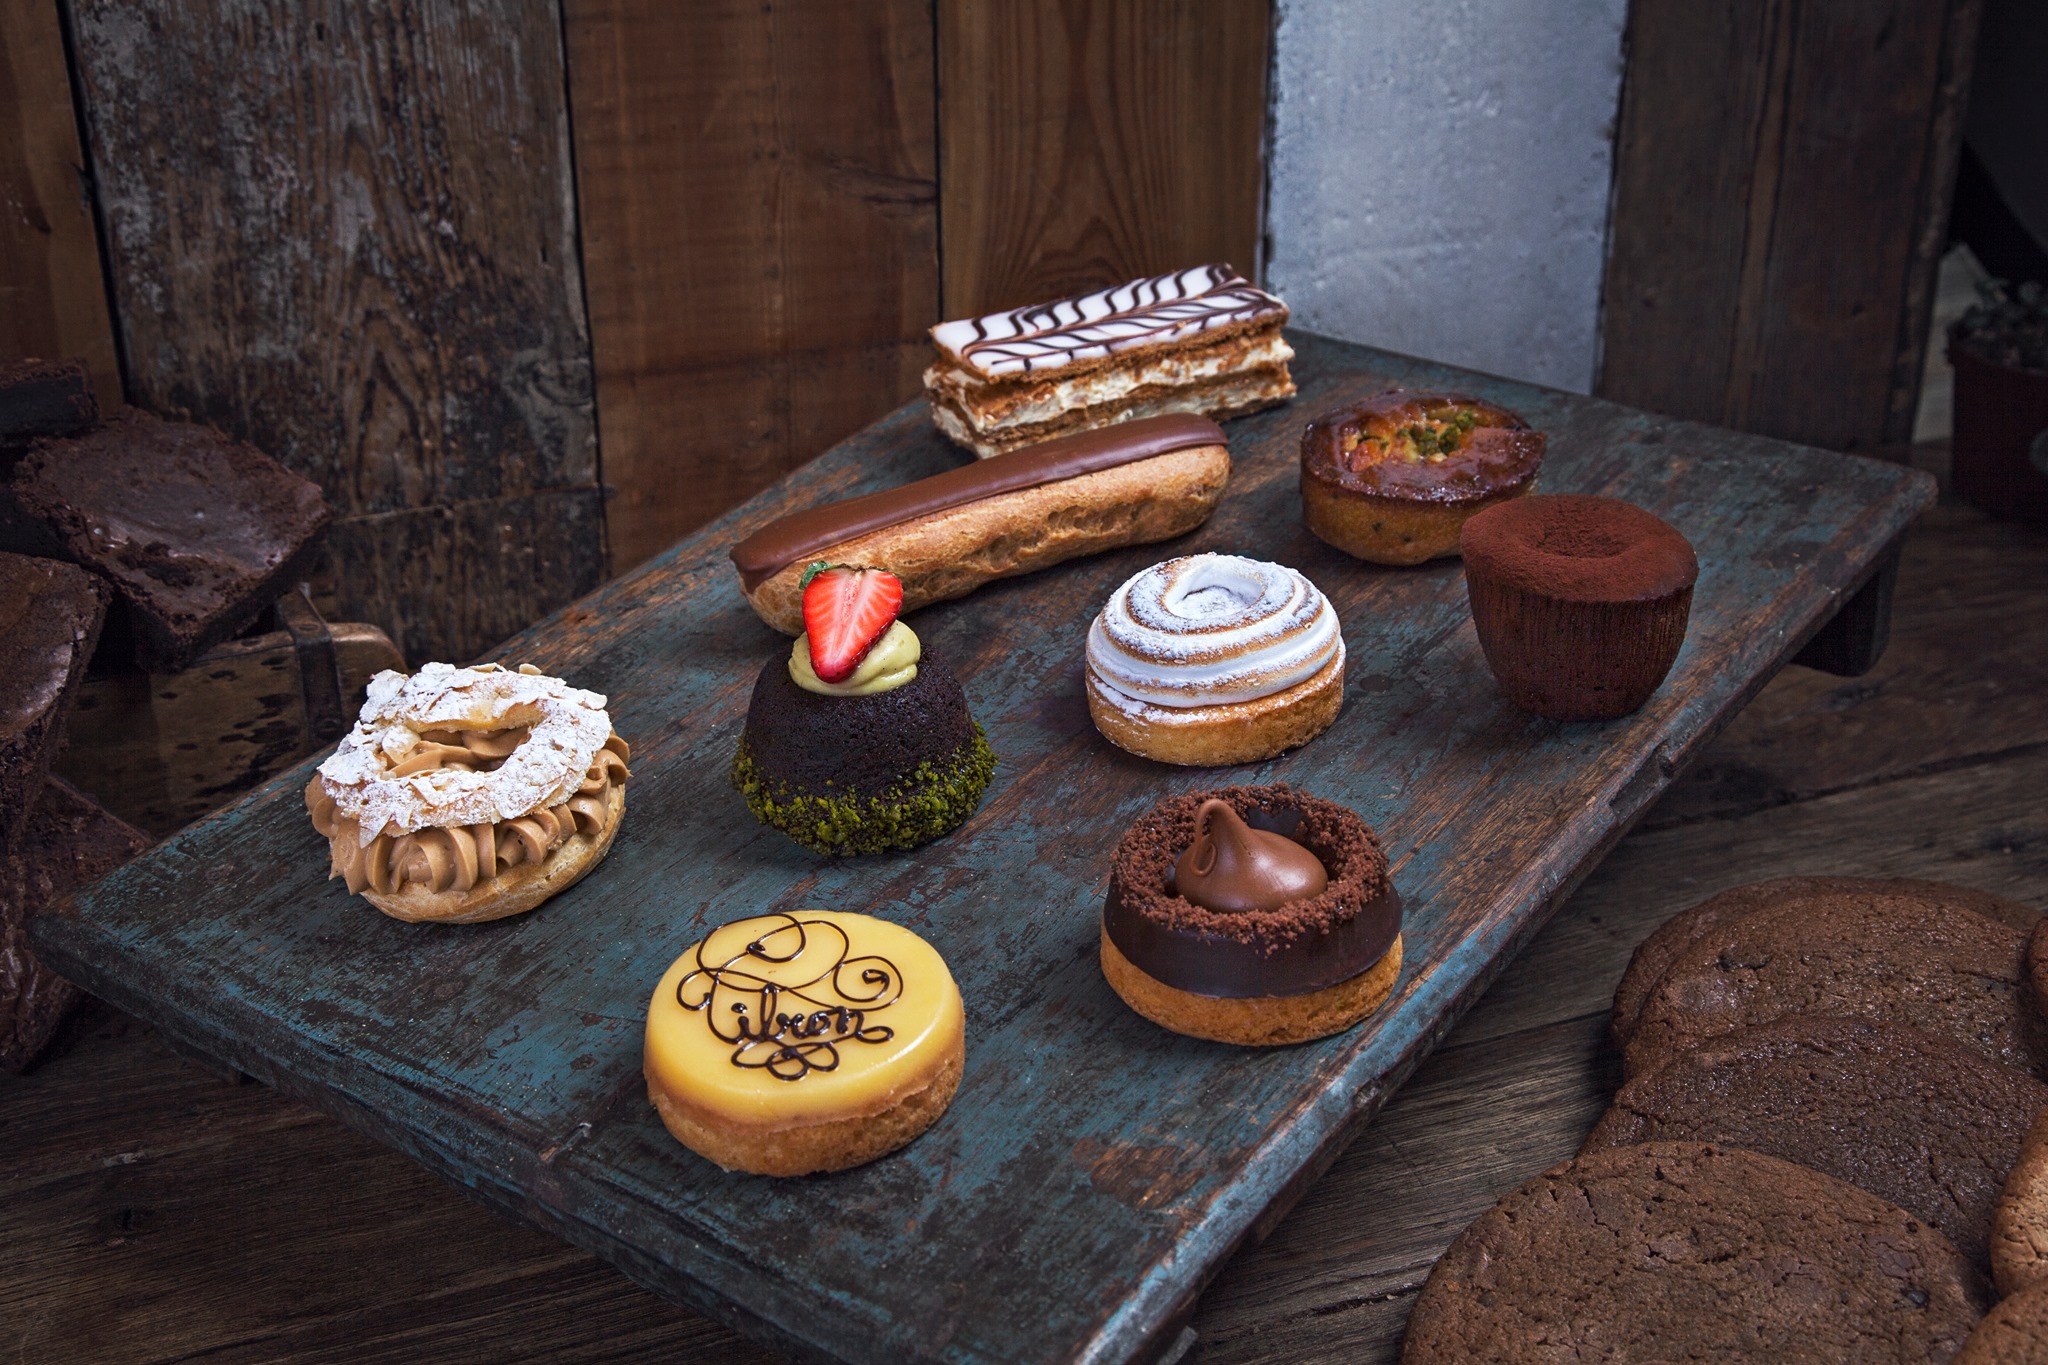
pixel 1094 1171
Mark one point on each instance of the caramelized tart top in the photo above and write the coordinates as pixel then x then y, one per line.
pixel 1422 447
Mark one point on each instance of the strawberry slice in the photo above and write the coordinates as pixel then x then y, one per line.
pixel 845 611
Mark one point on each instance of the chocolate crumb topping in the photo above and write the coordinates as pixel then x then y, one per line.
pixel 1141 871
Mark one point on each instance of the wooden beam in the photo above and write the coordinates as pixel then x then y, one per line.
pixel 760 239
pixel 1086 144
pixel 1782 177
pixel 53 297
pixel 346 233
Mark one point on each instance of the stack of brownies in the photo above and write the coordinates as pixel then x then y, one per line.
pixel 132 540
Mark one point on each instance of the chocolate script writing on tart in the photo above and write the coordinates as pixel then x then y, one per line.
pixel 746 1008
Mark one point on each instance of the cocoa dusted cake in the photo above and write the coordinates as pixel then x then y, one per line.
pixel 858 740
pixel 1580 602
pixel 198 532
pixel 50 615
pixel 69 842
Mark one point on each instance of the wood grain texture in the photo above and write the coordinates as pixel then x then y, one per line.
pixel 1782 173
pixel 161 750
pixel 760 239
pixel 53 296
pixel 86 1257
pixel 529 1092
pixel 1083 145
pixel 346 233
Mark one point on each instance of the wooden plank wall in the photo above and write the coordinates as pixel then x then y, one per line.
pixel 356 235
pixel 52 300
pixel 760 233
pixel 1782 179
pixel 777 202
pixel 1084 144
pixel 346 232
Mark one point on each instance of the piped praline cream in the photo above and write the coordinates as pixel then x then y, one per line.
pixel 800 1018
pixel 1295 947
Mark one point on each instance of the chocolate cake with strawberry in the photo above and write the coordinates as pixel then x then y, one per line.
pixel 858 741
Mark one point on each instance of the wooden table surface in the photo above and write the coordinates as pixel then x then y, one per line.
pixel 159 1212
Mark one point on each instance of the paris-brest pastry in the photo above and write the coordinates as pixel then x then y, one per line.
pixel 467 794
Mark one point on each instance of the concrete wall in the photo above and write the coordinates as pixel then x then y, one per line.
pixel 1439 176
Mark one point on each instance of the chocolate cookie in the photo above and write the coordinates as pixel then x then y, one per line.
pixel 1689 1251
pixel 2014 1332
pixel 1913 1119
pixel 2019 1224
pixel 1657 952
pixel 1934 966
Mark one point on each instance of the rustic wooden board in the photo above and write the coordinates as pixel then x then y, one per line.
pixel 1782 180
pixel 1082 145
pixel 346 234
pixel 1094 1172
pixel 759 218
pixel 53 298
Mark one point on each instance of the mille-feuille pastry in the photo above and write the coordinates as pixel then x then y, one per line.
pixel 1393 479
pixel 1251 915
pixel 857 739
pixel 947 535
pixel 1213 659
pixel 469 794
pixel 1202 340
pixel 787 1044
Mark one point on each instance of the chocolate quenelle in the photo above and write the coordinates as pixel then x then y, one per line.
pixel 947 535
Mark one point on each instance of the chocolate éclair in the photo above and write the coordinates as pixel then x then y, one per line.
pixel 945 536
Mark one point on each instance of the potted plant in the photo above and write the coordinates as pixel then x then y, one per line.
pixel 2000 353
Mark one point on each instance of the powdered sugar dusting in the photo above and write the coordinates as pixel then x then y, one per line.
pixel 569 726
pixel 1209 629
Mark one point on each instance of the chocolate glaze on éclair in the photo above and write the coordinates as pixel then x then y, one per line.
pixel 1497 455
pixel 786 540
pixel 1301 947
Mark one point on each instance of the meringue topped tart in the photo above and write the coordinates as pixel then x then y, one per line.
pixel 1214 659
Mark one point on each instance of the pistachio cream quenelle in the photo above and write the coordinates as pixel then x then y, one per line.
pixel 859 740
pixel 787 1044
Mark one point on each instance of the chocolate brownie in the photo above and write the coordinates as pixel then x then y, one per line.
pixel 2019 1225
pixel 50 617
pixel 42 398
pixel 1654 956
pixel 1937 967
pixel 1688 1251
pixel 1913 1119
pixel 198 532
pixel 70 842
pixel 2037 965
pixel 2014 1332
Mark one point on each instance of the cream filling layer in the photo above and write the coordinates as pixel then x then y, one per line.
pixel 891 663
pixel 995 406
pixel 462 857
pixel 1211 629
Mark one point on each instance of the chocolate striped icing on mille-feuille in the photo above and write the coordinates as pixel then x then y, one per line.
pixel 1204 340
